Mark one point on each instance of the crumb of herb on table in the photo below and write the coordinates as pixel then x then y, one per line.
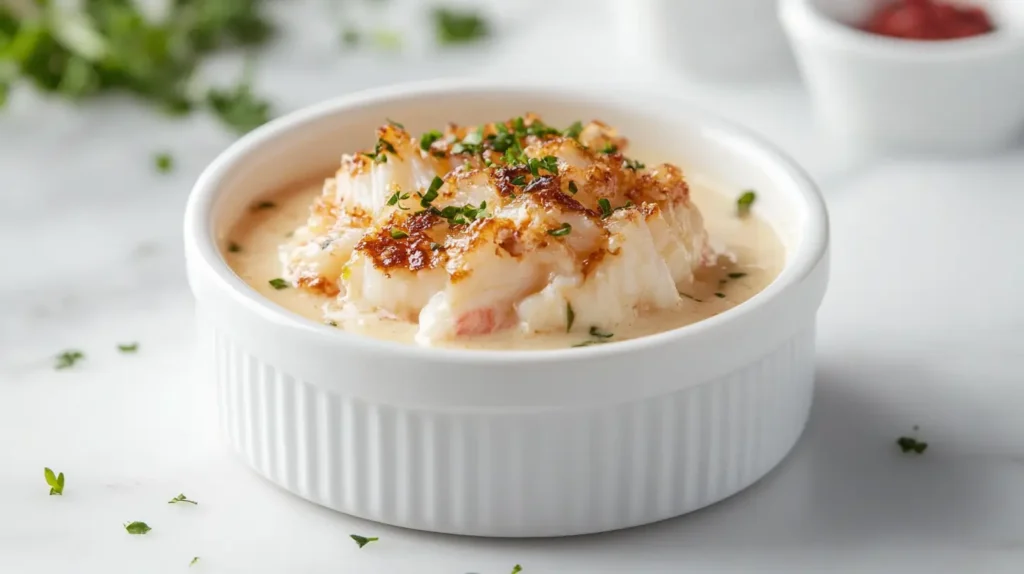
pixel 181 498
pixel 137 527
pixel 458 26
pixel 363 540
pixel 164 162
pixel 68 358
pixel 55 482
pixel 193 562
pixel 910 444
pixel 128 347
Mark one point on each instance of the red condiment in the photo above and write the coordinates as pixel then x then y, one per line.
pixel 929 20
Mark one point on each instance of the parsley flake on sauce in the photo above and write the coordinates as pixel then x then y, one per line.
pixel 234 247
pixel 278 283
pixel 745 201
pixel 720 295
pixel 55 482
pixel 691 297
pixel 595 332
pixel 428 139
pixel 560 231
pixel 606 207
pixel 398 234
pixel 737 275
pixel 363 540
pixel 572 188
pixel 68 358
pixel 570 317
pixel 264 205
pixel 137 527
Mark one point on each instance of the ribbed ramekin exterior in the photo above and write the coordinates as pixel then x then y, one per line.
pixel 508 472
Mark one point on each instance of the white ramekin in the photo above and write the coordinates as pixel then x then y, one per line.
pixel 889 94
pixel 513 443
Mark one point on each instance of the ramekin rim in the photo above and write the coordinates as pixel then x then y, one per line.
pixel 802 16
pixel 201 243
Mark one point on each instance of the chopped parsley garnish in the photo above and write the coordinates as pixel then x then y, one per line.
pixel 606 207
pixel 435 246
pixel 548 163
pixel 517 569
pixel 363 540
pixel 570 317
pixel 332 323
pixel 590 342
pixel 572 188
pixel 595 332
pixel 397 197
pixel 278 283
pixel 744 202
pixel 574 130
pixel 68 358
pixel 234 247
pixel 264 205
pixel 461 215
pixel 431 193
pixel 428 139
pixel 911 445
pixel 181 498
pixel 56 482
pixel 561 231
pixel 541 130
pixel 691 297
pixel 504 139
pixel 609 148
pixel 128 347
pixel 519 180
pixel 720 295
pixel 472 144
pixel 381 150
pixel 458 27
pixel 137 527
pixel 193 562
pixel 395 124
pixel 398 234
pixel 632 164
pixel 164 162
pixel 737 275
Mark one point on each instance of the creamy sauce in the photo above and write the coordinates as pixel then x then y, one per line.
pixel 252 251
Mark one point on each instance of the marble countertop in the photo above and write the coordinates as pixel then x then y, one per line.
pixel 923 325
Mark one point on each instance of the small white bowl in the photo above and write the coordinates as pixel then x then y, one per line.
pixel 892 94
pixel 509 443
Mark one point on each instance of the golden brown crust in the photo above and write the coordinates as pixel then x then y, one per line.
pixel 319 284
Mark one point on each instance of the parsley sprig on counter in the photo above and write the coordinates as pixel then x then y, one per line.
pixel 363 540
pixel 54 481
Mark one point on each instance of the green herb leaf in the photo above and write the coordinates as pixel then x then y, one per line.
pixel 570 317
pixel 394 123
pixel 264 205
pixel 609 148
pixel 128 347
pixel 590 342
pixel 332 323
pixel 572 188
pixel 387 40
pixel 67 359
pixel 519 180
pixel 434 246
pixel 574 130
pixel 720 295
pixel 737 275
pixel 744 202
pixel 398 233
pixel 606 207
pixel 431 193
pixel 137 527
pixel 234 247
pixel 350 37
pixel 363 540
pixel 55 482
pixel 595 332
pixel 164 162
pixel 563 230
pixel 238 106
pixel 428 139
pixel 911 445
pixel 458 27
pixel 181 498
pixel 278 283
pixel 517 569
pixel 193 562
pixel 393 200
pixel 691 297
pixel 632 164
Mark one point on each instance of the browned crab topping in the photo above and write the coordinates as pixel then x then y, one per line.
pixel 395 248
pixel 320 284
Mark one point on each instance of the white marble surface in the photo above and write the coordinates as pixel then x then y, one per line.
pixel 923 324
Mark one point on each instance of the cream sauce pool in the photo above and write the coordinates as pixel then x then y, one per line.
pixel 252 251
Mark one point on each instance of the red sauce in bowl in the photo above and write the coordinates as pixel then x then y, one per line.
pixel 929 20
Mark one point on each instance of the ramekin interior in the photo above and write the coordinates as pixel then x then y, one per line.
pixel 308 144
pixel 838 23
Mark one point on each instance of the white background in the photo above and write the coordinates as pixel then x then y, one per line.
pixel 923 325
